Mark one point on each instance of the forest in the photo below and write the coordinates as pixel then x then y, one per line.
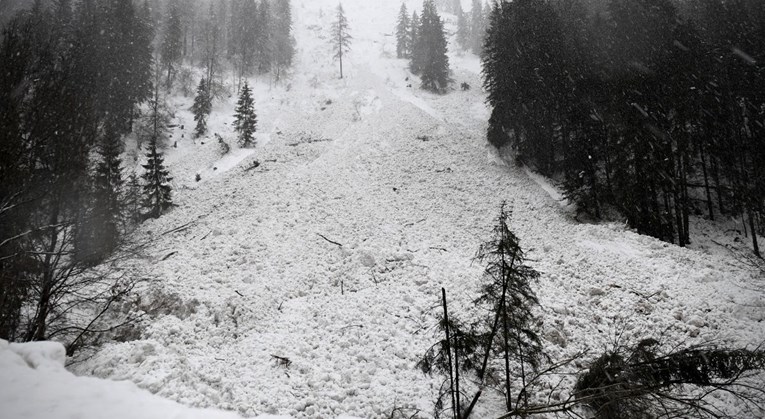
pixel 79 80
pixel 652 108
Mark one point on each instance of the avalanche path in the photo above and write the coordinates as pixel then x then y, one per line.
pixel 405 184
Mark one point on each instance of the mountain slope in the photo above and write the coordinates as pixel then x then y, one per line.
pixel 405 183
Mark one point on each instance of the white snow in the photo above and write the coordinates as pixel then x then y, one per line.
pixel 35 385
pixel 343 160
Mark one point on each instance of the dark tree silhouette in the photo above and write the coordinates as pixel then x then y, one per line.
pixel 246 122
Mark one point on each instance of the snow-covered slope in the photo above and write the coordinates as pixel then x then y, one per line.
pixel 404 181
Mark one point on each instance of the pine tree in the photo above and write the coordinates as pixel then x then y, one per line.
pixel 463 31
pixel 415 46
pixel 157 191
pixel 171 49
pixel 154 124
pixel 245 35
pixel 131 200
pixel 126 64
pixel 202 107
pixel 98 233
pixel 211 48
pixel 403 33
pixel 507 293
pixel 246 121
pixel 477 26
pixel 340 38
pixel 431 53
pixel 264 45
pixel 283 41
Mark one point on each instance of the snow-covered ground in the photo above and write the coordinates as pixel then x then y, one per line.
pixel 405 182
pixel 35 384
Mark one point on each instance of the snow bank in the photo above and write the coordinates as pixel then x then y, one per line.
pixel 34 384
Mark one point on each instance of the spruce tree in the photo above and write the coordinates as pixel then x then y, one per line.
pixel 403 32
pixel 264 45
pixel 246 121
pixel 432 59
pixel 202 107
pixel 463 30
pixel 156 189
pixel 283 41
pixel 98 232
pixel 340 38
pixel 126 67
pixel 171 49
pixel 510 300
pixel 131 200
pixel 415 46
pixel 477 26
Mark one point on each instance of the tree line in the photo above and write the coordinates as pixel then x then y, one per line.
pixel 651 107
pixel 76 80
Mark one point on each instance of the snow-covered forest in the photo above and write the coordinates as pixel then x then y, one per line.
pixel 382 209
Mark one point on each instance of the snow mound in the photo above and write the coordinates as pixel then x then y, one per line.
pixel 35 384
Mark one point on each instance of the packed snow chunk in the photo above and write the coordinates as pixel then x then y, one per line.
pixel 35 385
pixel 40 355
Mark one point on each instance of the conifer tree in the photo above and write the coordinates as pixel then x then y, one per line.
pixel 283 41
pixel 507 293
pixel 202 107
pixel 126 67
pixel 264 45
pixel 430 54
pixel 415 47
pixel 477 26
pixel 131 199
pixel 171 49
pixel 156 189
pixel 340 38
pixel 98 234
pixel 463 30
pixel 246 121
pixel 403 33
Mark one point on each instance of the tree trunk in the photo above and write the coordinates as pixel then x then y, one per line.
pixel 710 207
pixel 449 353
pixel 754 234
pixel 718 187
pixel 506 332
pixel 39 328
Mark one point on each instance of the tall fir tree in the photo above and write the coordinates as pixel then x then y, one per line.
pixel 431 53
pixel 477 26
pixel 340 36
pixel 202 107
pixel 463 30
pixel 283 40
pixel 264 45
pixel 157 192
pixel 131 199
pixel 171 49
pixel 99 232
pixel 245 122
pixel 126 64
pixel 403 33
pixel 507 293
pixel 415 46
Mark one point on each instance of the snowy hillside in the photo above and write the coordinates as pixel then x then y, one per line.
pixel 308 285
